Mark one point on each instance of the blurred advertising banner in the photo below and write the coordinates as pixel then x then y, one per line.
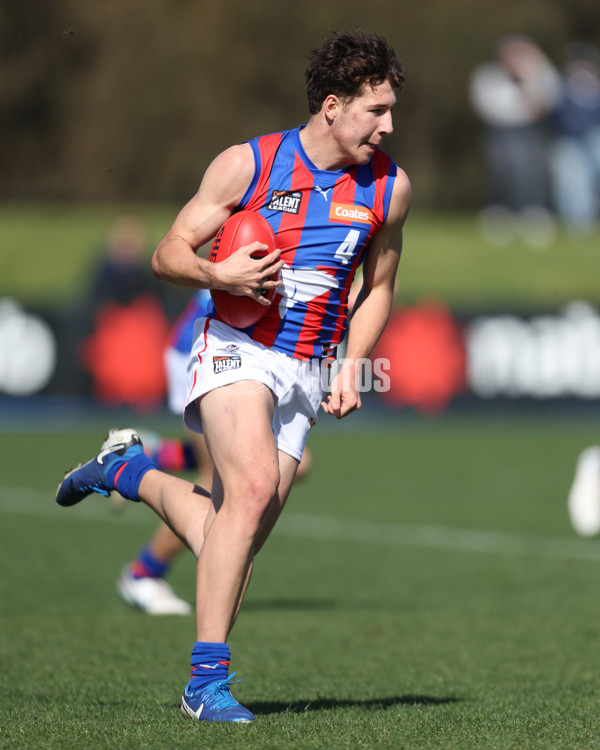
pixel 429 358
pixel 116 357
pixel 436 357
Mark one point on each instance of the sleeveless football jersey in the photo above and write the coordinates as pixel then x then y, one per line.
pixel 181 335
pixel 323 220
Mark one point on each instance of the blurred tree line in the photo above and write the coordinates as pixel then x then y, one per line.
pixel 130 100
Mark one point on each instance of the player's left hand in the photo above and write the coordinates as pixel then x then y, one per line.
pixel 344 397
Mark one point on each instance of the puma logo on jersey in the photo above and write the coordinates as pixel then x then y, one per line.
pixel 322 192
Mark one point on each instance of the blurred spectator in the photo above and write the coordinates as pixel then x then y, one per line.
pixel 126 322
pixel 123 272
pixel 512 95
pixel 575 151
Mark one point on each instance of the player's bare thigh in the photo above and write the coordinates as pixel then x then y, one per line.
pixel 237 424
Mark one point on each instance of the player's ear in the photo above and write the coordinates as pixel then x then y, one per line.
pixel 331 105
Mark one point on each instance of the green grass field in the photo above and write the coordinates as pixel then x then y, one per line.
pixel 423 590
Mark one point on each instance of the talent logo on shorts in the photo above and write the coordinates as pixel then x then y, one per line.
pixel 286 201
pixel 346 213
pixel 226 363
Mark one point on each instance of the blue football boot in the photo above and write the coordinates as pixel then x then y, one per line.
pixel 91 477
pixel 214 702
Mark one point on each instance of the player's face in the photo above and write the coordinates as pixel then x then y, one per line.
pixel 362 122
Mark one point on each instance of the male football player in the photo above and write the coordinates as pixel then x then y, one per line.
pixel 350 202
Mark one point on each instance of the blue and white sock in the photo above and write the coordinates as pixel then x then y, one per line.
pixel 125 475
pixel 210 662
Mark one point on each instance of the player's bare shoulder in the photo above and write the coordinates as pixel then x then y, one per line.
pixel 385 248
pixel 237 158
pixel 222 188
pixel 400 200
pixel 231 172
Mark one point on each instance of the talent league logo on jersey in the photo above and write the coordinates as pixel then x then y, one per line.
pixel 285 201
pixel 224 363
pixel 347 213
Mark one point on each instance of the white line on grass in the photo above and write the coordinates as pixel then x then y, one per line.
pixel 20 500
pixel 23 500
pixel 440 537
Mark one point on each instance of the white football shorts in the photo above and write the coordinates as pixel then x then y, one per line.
pixel 222 355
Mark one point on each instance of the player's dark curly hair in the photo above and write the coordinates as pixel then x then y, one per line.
pixel 342 64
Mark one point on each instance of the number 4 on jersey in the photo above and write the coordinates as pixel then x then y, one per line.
pixel 345 251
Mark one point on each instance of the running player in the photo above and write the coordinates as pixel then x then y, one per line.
pixel 142 582
pixel 347 204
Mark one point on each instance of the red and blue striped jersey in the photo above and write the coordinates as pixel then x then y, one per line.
pixel 323 221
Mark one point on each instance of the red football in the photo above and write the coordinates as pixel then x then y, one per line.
pixel 241 229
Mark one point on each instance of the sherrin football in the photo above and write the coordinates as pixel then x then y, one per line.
pixel 241 229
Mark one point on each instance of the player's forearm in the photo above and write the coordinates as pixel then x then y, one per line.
pixel 368 322
pixel 175 261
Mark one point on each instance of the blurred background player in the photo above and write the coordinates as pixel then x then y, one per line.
pixel 142 582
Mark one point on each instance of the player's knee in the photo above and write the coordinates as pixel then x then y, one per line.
pixel 259 491
pixel 262 489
